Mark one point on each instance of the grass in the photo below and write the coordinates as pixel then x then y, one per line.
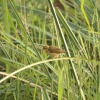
pixel 26 72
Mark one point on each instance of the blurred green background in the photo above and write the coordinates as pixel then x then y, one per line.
pixel 26 26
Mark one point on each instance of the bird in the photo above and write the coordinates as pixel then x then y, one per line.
pixel 53 51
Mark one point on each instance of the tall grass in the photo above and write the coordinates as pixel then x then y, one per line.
pixel 26 72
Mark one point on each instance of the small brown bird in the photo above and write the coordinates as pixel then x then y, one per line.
pixel 52 50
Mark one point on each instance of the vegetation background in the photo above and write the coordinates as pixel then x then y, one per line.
pixel 26 72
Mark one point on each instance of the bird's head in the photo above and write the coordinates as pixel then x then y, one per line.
pixel 45 47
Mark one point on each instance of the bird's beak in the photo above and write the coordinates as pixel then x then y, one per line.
pixel 42 48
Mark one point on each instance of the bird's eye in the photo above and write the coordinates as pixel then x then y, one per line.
pixel 44 47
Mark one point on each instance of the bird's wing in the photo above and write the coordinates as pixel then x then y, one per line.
pixel 54 49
